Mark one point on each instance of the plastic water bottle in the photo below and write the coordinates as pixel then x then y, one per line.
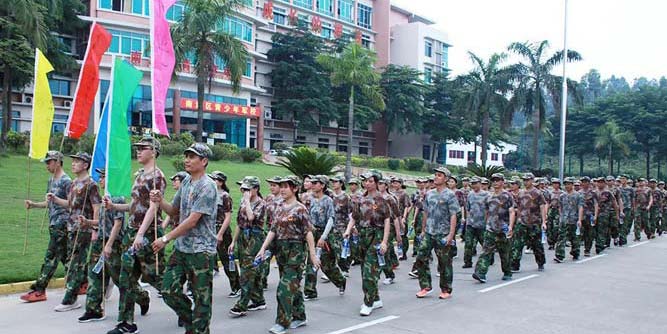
pixel 620 218
pixel 258 261
pixel 411 230
pixel 592 220
pixel 345 253
pixel 355 239
pixel 232 265
pixel 443 241
pixel 399 250
pixel 578 232
pixel 98 266
pixel 506 230
pixel 544 236
pixel 380 256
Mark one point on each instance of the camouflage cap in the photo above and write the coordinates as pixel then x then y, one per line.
pixel 599 179
pixel 585 179
pixel 624 176
pixel 641 179
pixel 569 179
pixel 421 180
pixel 485 180
pixel 475 179
pixel 200 149
pixel 83 156
pixel 577 183
pixel 323 179
pixel 456 178
pixel 652 181
pixel 149 141
pixel 180 175
pixel 291 179
pixel 218 175
pixel 385 181
pixel 430 178
pixel 53 155
pixel 371 173
pixel 498 176
pixel 397 179
pixel 465 179
pixel 555 180
pixel 610 178
pixel 514 181
pixel 443 170
pixel 249 182
pixel 546 181
pixel 527 176
pixel 101 171
pixel 354 180
pixel 276 179
pixel 661 183
pixel 337 178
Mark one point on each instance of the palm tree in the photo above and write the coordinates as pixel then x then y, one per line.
pixel 22 28
pixel 353 68
pixel 199 34
pixel 609 137
pixel 537 84
pixel 486 87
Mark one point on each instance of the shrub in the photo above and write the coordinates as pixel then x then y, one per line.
pixel 178 163
pixel 482 171
pixel 280 146
pixel 394 164
pixel 414 164
pixel 428 167
pixel 304 160
pixel 225 151
pixel 359 161
pixel 185 138
pixel 68 145
pixel 378 162
pixel 250 154
pixel 85 144
pixel 172 148
pixel 17 140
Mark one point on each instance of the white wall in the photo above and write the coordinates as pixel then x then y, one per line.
pixel 505 148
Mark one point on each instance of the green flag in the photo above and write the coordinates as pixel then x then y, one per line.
pixel 124 80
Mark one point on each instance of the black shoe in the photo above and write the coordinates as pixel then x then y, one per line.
pixel 144 308
pixel 551 247
pixel 467 265
pixel 181 322
pixel 257 306
pixel 341 289
pixel 91 316
pixel 587 254
pixel 403 258
pixel 557 260
pixel 124 328
pixel 480 278
pixel 507 277
pixel 236 312
pixel 234 294
pixel 540 267
pixel 309 298
pixel 515 269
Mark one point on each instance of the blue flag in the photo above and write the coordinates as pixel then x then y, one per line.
pixel 100 150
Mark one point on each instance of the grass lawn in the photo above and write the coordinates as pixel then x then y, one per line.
pixel 13 191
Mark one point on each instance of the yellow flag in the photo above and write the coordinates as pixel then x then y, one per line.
pixel 42 108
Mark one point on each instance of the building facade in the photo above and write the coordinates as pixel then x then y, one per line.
pixel 462 154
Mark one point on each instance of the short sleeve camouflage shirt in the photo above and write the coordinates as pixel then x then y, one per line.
pixel 371 211
pixel 291 222
pixel 143 185
pixel 82 196
pixel 570 204
pixel 643 197
pixel 498 210
pixel 342 208
pixel 199 196
pixel 590 198
pixel 58 215
pixel 321 210
pixel 606 201
pixel 529 206
pixel 224 206
pixel 271 204
pixel 439 207
pixel 109 217
pixel 476 208
pixel 258 210
pixel 628 196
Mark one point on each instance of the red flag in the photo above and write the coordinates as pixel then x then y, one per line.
pixel 89 80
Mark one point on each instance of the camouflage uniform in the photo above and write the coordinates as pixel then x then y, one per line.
pixel 529 229
pixel 569 204
pixel 628 195
pixel 590 198
pixel 224 206
pixel 403 203
pixel 354 246
pixel 142 263
pixel 194 255
pixel 83 195
pixel 321 211
pixel 342 208
pixel 495 239
pixel 439 207
pixel 418 204
pixel 460 223
pixel 390 256
pixel 291 224
pixel 606 215
pixel 271 204
pixel 248 244
pixel 643 197
pixel 655 213
pixel 553 217
pixel 475 224
pixel 57 250
pixel 369 214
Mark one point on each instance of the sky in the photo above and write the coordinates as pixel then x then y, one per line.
pixel 619 37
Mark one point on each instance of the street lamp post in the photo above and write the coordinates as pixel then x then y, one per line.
pixel 563 111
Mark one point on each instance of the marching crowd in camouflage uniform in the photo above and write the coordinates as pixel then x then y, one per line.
pixel 312 225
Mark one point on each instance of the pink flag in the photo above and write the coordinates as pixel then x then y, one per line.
pixel 162 62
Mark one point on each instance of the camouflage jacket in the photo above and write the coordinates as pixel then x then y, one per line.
pixel 58 215
pixel 529 211
pixel 224 206
pixel 569 207
pixel 82 196
pixel 476 209
pixel 291 222
pixel 200 196
pixel 498 208
pixel 439 207
pixel 143 185
pixel 371 211
pixel 342 208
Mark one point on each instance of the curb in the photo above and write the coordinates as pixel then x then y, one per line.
pixel 11 288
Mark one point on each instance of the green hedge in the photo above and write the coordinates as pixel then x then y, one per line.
pixel 414 164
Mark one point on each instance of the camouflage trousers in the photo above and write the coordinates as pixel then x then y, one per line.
pixel 56 252
pixel 418 231
pixel 588 230
pixel 369 239
pixel 354 249
pixel 495 242
pixel 527 235
pixel 473 235
pixel 291 258
pixel 624 229
pixel 553 226
pixel 614 228
pixel 653 221
pixel 78 264
pixel 247 247
pixel 390 257
pixel 222 248
pixel 196 268
pixel 602 231
pixel 405 242
pixel 641 223
pixel 444 256
pixel 568 232
pixel 97 283
pixel 327 264
pixel 141 264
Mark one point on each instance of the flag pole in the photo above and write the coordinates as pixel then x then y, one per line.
pixel 27 211
pixel 563 111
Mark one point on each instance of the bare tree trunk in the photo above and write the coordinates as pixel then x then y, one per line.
pixel 611 162
pixel 200 109
pixel 350 133
pixel 648 162
pixel 581 165
pixel 6 107
pixel 485 132
pixel 618 166
pixel 536 129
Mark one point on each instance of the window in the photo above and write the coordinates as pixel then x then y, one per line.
pixel 59 87
pixel 175 12
pixel 325 7
pixel 366 41
pixel 428 49
pixel 124 42
pixel 445 56
pixel 342 145
pixel 455 154
pixel 59 122
pixel 300 139
pixel 238 28
pixel 494 156
pixel 327 30
pixel 345 10
pixel 16 115
pixel 426 152
pixel 308 4
pixel 364 16
pixel 323 143
pixel 247 3
pixel 279 16
pixel 363 148
pixel 472 156
pixel 248 69
pixel 139 7
pixel 115 5
pixel 428 75
pixel 66 44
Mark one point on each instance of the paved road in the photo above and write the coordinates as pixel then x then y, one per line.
pixel 624 291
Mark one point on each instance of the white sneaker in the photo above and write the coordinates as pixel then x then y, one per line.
pixel 65 308
pixel 298 323
pixel 324 278
pixel 143 285
pixel 275 264
pixel 366 310
pixel 377 304
pixel 388 281
pixel 346 273
pixel 528 251
pixel 277 329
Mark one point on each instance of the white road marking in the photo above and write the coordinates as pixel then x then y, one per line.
pixel 591 258
pixel 638 244
pixel 508 283
pixel 365 324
